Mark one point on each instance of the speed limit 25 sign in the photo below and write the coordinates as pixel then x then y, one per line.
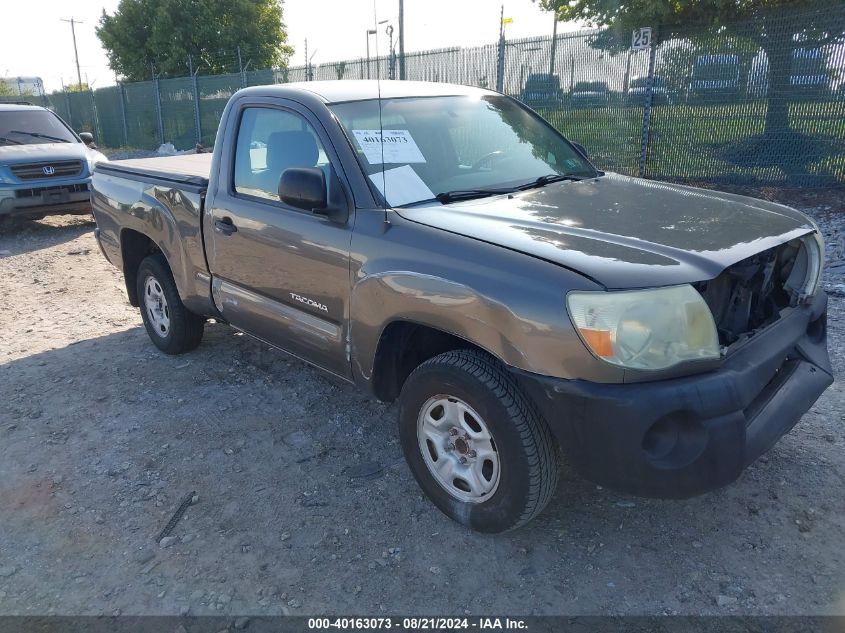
pixel 641 38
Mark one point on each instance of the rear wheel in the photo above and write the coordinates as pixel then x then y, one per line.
pixel 170 325
pixel 475 443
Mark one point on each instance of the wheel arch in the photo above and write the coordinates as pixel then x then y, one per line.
pixel 134 247
pixel 403 346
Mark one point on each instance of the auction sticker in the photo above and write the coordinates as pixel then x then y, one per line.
pixel 397 146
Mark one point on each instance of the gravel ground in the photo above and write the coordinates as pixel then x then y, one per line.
pixel 303 504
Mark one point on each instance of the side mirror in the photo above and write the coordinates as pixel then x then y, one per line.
pixel 581 149
pixel 88 139
pixel 304 188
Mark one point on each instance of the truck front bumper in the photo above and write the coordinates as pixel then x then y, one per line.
pixel 681 437
pixel 46 199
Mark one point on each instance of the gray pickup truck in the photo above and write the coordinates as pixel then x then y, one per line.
pixel 446 247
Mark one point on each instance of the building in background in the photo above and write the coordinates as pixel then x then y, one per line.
pixel 24 86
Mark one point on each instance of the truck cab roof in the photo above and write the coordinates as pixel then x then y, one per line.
pixel 19 106
pixel 339 91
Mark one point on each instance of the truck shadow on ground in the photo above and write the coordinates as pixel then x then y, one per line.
pixel 306 505
pixel 27 236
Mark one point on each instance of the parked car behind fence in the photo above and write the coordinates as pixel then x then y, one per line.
pixel 638 91
pixel 590 94
pixel 542 91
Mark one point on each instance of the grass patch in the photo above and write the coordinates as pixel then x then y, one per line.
pixel 718 142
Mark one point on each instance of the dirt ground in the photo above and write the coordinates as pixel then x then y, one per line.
pixel 304 504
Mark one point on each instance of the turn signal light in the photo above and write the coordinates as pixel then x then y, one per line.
pixel 598 341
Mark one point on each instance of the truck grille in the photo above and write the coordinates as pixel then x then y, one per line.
pixel 52 169
pixel 749 295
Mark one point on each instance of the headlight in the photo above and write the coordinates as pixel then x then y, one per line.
pixel 95 157
pixel 806 274
pixel 645 329
pixel 814 245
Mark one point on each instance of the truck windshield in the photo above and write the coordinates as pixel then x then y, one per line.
pixel 432 146
pixel 31 127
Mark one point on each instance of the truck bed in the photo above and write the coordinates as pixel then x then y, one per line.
pixel 160 199
pixel 191 170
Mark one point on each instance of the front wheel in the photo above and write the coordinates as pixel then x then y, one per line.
pixel 170 325
pixel 475 443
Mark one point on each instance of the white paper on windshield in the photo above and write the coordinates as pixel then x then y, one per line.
pixel 399 146
pixel 401 186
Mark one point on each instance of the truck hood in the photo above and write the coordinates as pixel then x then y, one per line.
pixel 623 232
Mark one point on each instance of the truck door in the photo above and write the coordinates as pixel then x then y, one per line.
pixel 278 272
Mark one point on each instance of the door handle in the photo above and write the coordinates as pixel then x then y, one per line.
pixel 225 226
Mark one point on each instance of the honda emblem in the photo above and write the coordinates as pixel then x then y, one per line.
pixel 49 170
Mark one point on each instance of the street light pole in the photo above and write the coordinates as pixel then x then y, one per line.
pixel 73 24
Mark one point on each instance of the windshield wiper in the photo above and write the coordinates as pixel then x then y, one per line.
pixel 542 181
pixel 9 140
pixel 39 135
pixel 470 194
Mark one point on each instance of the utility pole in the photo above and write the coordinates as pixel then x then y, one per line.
pixel 500 61
pixel 196 99
pixel 554 46
pixel 310 67
pixel 391 74
pixel 73 24
pixel 157 91
pixel 401 39
pixel 306 59
pixel 241 69
pixel 369 32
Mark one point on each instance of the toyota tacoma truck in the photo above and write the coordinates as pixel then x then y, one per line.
pixel 45 167
pixel 446 247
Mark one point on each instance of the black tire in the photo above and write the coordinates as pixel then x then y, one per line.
pixel 526 449
pixel 185 329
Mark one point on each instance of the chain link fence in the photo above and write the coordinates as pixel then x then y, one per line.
pixel 701 105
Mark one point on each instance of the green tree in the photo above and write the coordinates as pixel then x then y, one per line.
pixel 776 26
pixel 6 89
pixel 162 34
